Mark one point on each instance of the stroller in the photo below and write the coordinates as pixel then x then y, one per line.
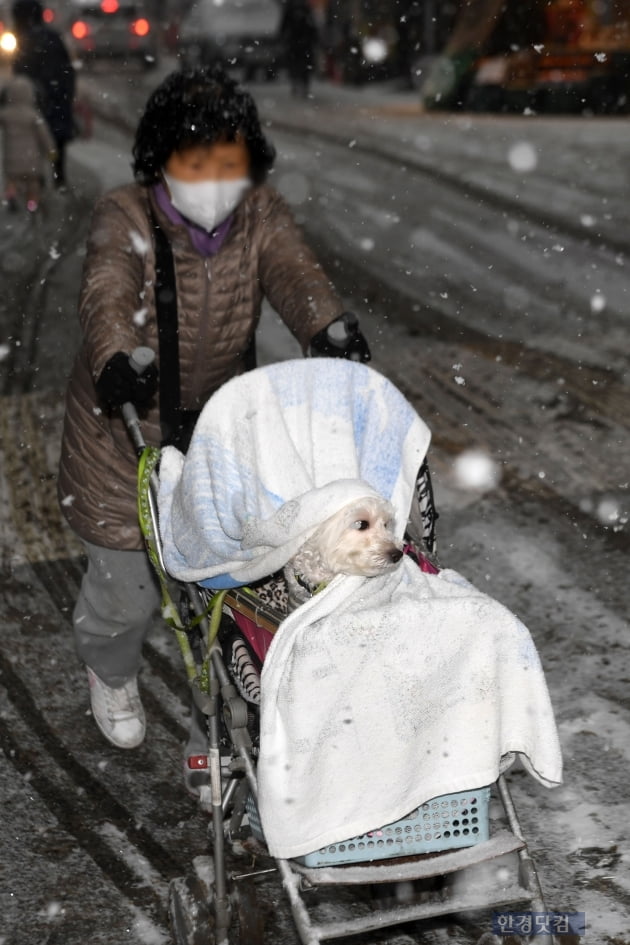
pixel 225 629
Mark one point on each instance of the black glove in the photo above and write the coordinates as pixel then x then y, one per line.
pixel 341 339
pixel 120 383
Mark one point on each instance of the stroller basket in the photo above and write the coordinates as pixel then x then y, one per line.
pixel 444 823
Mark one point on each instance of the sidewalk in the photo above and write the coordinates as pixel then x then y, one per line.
pixel 568 170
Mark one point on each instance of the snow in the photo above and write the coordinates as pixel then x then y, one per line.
pixel 139 244
pixel 475 469
pixel 598 302
pixel 522 157
pixel 576 598
pixel 145 931
pixel 145 873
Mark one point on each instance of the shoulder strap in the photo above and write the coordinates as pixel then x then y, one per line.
pixel 176 424
pixel 168 334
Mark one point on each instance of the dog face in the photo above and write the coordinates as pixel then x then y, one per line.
pixel 359 539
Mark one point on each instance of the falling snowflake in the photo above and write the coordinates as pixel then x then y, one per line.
pixel 139 243
pixel 68 500
pixel 140 317
pixel 608 511
pixel 474 469
pixel 294 187
pixel 459 380
pixel 4 351
pixel 598 302
pixel 522 157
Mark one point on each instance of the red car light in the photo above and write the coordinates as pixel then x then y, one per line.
pixel 140 27
pixel 48 15
pixel 80 29
pixel 109 6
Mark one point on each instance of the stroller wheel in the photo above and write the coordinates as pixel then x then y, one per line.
pixel 250 920
pixel 190 911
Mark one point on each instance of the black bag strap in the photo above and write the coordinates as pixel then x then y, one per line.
pixel 176 424
pixel 168 336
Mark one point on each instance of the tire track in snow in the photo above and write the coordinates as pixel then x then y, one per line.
pixel 75 810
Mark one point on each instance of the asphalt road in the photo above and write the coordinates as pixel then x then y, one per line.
pixel 480 305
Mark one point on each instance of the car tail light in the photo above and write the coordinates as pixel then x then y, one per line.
pixel 109 6
pixel 80 29
pixel 48 16
pixel 140 27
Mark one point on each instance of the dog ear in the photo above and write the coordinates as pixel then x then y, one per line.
pixel 310 560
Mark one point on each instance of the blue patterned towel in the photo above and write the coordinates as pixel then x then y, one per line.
pixel 277 451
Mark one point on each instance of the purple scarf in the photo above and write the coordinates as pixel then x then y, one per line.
pixel 206 244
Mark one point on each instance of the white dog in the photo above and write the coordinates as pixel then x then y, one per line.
pixel 359 539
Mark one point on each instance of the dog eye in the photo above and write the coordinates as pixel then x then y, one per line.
pixel 361 524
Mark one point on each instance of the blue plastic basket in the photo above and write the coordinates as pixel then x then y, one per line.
pixel 444 823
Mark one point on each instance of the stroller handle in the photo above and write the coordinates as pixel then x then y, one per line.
pixel 139 359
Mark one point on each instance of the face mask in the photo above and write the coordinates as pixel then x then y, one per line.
pixel 206 202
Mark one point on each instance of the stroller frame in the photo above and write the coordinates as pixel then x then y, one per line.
pixel 201 906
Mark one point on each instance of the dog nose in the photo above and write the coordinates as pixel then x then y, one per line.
pixel 395 555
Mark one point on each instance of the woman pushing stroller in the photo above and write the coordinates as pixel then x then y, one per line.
pixel 178 261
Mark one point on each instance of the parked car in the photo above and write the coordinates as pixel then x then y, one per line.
pixel 112 29
pixel 236 33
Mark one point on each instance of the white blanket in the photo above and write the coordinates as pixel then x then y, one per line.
pixel 378 693
pixel 381 693
pixel 274 453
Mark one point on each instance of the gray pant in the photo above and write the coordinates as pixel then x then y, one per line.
pixel 116 608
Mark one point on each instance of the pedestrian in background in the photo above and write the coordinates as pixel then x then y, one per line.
pixel 299 35
pixel 27 145
pixel 43 58
pixel 180 262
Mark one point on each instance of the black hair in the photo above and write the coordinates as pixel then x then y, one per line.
pixel 198 106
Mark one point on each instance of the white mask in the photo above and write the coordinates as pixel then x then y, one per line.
pixel 206 202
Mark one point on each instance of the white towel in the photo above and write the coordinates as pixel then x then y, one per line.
pixel 378 693
pixel 274 453
pixel 381 693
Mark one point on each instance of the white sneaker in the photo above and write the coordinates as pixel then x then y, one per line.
pixel 117 712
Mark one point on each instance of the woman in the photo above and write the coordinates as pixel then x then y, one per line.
pixel 178 261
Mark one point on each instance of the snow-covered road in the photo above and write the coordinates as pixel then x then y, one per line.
pixel 495 297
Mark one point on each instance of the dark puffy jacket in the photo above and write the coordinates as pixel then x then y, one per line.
pixel 219 303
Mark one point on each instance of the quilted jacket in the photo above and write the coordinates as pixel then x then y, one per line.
pixel 219 304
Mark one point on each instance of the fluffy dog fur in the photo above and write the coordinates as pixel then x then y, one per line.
pixel 359 539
